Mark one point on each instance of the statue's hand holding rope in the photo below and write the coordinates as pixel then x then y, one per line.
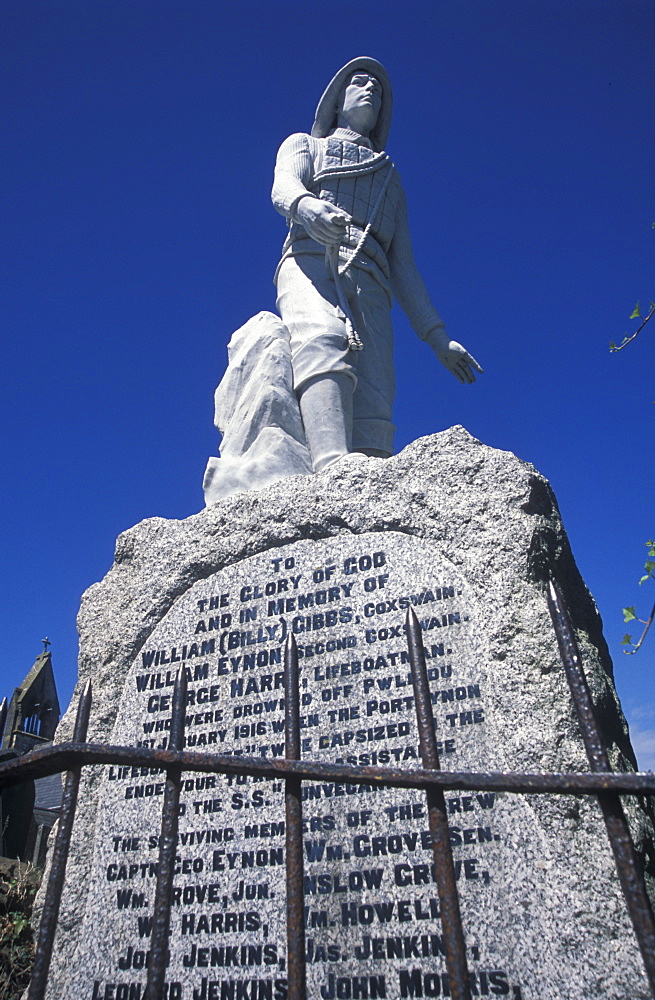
pixel 322 220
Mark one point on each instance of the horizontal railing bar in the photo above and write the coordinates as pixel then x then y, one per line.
pixel 51 760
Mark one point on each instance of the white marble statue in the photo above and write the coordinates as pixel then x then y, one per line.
pixel 347 253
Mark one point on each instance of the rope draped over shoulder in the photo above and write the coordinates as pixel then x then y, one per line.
pixel 332 253
pixel 372 218
pixel 369 166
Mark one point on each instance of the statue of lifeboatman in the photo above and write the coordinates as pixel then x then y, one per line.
pixel 348 251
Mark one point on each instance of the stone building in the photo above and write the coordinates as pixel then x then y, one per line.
pixel 28 811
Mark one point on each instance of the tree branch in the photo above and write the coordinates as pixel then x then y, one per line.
pixel 647 624
pixel 627 340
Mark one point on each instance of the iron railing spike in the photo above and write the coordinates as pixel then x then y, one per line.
pixel 3 717
pixel 83 714
pixel 296 967
pixel 451 919
pixel 52 902
pixel 161 912
pixel 630 871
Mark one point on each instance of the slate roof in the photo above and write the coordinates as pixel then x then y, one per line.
pixel 48 793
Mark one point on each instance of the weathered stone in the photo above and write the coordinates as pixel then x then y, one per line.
pixel 468 535
pixel 257 413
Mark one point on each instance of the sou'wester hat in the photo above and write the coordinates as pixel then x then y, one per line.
pixel 327 110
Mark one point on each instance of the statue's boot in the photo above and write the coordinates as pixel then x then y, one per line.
pixel 326 406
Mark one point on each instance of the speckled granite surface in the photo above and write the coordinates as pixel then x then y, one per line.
pixel 464 533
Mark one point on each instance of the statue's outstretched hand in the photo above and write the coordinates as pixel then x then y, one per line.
pixel 324 222
pixel 455 358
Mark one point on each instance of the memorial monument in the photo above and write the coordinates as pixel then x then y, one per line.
pixel 466 535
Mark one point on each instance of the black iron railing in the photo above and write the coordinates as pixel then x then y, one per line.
pixel 607 786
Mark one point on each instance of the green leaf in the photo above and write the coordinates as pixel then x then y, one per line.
pixel 644 578
pixel 635 314
pixel 627 640
pixel 629 615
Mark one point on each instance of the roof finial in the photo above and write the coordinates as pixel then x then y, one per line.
pixel 46 642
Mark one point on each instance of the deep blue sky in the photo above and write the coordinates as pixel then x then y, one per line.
pixel 139 142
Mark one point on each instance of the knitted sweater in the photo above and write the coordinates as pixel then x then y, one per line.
pixel 299 160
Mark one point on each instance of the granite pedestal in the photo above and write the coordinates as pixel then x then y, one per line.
pixel 467 536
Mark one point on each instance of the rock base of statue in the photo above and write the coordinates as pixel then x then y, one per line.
pixel 464 534
pixel 257 413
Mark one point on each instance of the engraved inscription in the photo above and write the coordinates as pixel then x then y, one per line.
pixel 371 906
